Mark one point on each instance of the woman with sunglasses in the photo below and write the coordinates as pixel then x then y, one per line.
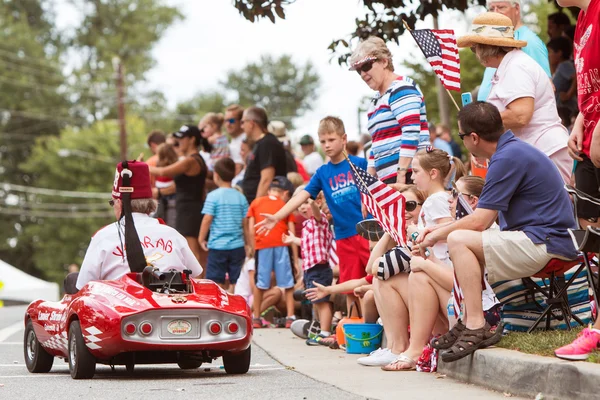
pixel 397 116
pixel 520 88
pixel 189 174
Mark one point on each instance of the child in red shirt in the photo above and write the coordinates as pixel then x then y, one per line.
pixel 271 254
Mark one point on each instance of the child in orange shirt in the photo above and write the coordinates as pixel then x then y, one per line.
pixel 271 254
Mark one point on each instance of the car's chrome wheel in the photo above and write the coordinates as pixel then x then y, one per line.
pixel 82 364
pixel 36 358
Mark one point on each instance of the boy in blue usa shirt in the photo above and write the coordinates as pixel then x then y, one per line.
pixel 336 180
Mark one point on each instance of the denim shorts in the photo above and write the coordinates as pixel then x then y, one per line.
pixel 221 262
pixel 320 273
pixel 274 259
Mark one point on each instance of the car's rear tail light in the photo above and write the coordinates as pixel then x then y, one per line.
pixel 233 327
pixel 146 328
pixel 130 328
pixel 215 328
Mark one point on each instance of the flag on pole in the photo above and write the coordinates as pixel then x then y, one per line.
pixel 441 51
pixel 383 202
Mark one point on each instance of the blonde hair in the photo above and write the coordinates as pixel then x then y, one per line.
pixel 331 124
pixel 237 109
pixel 166 155
pixel 373 47
pixel 296 179
pixel 473 184
pixel 419 194
pixel 216 119
pixel 440 160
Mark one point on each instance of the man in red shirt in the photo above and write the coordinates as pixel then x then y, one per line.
pixel 584 142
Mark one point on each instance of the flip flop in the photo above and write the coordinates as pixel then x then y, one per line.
pixel 401 359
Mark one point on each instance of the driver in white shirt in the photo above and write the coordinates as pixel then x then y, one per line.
pixel 163 246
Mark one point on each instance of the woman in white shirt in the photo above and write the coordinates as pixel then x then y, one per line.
pixel 520 88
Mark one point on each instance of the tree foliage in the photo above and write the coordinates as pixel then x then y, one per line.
pixel 383 18
pixel 285 89
pixel 57 229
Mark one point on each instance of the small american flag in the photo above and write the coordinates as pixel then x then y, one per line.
pixel 440 49
pixel 385 203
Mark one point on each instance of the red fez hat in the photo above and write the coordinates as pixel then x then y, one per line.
pixel 139 181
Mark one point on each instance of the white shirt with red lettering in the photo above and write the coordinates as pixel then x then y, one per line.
pixel 315 242
pixel 162 245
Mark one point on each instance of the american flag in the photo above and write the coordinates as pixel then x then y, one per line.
pixel 440 49
pixel 384 203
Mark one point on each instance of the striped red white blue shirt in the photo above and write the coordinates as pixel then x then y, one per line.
pixel 398 127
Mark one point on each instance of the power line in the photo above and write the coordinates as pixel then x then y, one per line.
pixel 67 215
pixel 57 206
pixel 10 187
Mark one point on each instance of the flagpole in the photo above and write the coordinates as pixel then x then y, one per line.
pixel 447 91
pixel 403 244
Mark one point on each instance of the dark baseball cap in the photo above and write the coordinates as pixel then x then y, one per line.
pixel 283 183
pixel 306 139
pixel 188 131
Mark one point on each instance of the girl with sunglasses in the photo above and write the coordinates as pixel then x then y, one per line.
pixel 433 169
pixel 397 115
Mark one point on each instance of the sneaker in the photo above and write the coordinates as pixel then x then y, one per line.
pixel 315 340
pixel 300 328
pixel 288 321
pixel 258 323
pixel 378 358
pixel 581 348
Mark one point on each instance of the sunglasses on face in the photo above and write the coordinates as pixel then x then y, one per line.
pixel 111 203
pixel 411 205
pixel 231 120
pixel 366 67
pixel 462 135
pixel 456 193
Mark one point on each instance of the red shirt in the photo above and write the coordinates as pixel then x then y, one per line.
pixel 587 64
pixel 269 205
pixel 315 242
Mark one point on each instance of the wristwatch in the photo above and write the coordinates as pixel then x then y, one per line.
pixel 402 169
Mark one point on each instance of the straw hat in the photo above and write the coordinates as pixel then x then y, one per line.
pixel 492 29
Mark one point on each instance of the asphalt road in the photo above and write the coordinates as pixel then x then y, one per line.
pixel 267 379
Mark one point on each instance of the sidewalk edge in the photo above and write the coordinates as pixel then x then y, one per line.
pixel 525 374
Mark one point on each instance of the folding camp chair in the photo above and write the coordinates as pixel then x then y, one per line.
pixel 554 290
pixel 587 241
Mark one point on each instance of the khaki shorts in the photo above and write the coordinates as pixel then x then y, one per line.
pixel 512 255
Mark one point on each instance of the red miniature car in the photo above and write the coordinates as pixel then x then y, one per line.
pixel 141 318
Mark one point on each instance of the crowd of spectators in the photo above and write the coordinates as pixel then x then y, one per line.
pixel 280 227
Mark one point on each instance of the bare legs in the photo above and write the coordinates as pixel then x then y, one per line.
pixel 391 297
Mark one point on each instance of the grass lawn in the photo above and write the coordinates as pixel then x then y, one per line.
pixel 542 343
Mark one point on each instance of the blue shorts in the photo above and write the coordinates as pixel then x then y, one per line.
pixel 320 273
pixel 221 262
pixel 274 259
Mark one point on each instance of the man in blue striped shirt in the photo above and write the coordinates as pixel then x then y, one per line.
pixel 226 207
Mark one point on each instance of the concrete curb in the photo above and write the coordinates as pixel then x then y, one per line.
pixel 526 375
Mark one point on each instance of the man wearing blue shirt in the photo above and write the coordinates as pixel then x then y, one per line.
pixel 535 48
pixel 524 190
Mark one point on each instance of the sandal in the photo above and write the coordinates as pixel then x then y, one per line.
pixel 449 338
pixel 471 340
pixel 402 359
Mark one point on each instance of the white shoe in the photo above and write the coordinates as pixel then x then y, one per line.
pixel 378 358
